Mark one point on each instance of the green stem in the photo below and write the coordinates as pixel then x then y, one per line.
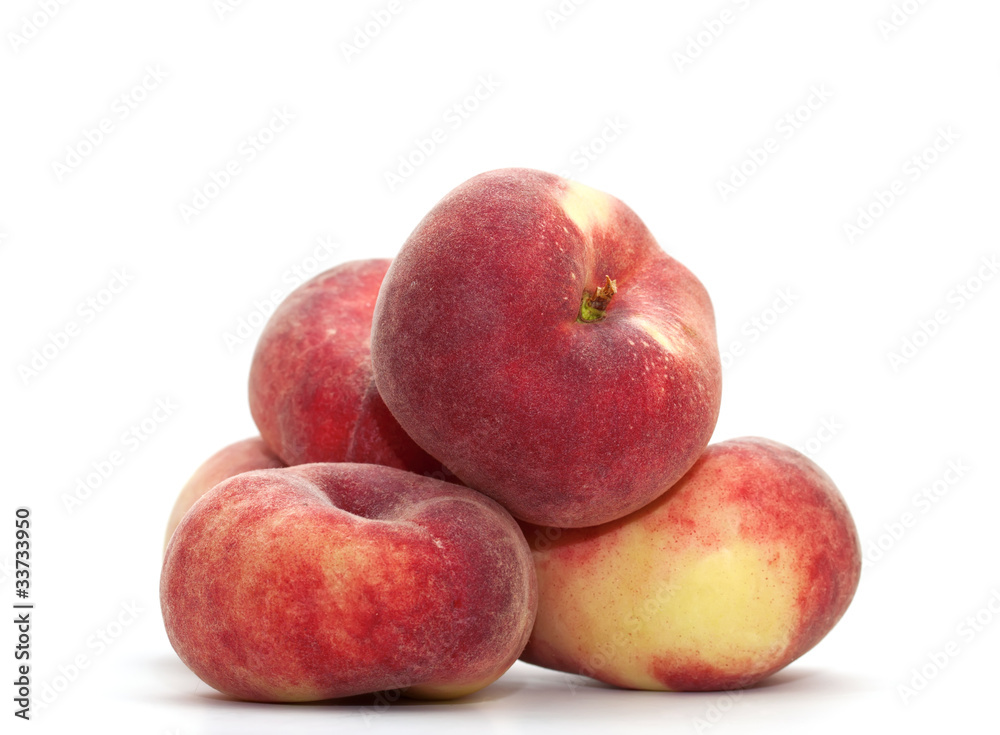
pixel 592 308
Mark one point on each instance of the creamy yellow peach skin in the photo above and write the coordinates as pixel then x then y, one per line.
pixel 733 573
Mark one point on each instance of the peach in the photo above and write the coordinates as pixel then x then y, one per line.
pixel 311 389
pixel 330 580
pixel 732 574
pixel 242 456
pixel 533 336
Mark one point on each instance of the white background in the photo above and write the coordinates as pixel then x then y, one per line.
pixel 819 376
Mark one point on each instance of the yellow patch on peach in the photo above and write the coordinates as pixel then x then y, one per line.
pixel 668 343
pixel 276 693
pixel 732 608
pixel 448 691
pixel 586 207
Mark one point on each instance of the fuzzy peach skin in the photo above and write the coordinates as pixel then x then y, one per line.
pixel 330 580
pixel 312 394
pixel 492 349
pixel 242 456
pixel 735 572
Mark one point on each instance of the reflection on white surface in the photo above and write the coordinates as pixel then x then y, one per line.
pixel 931 568
pixel 158 691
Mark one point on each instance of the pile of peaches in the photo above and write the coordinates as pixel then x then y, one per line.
pixel 497 447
